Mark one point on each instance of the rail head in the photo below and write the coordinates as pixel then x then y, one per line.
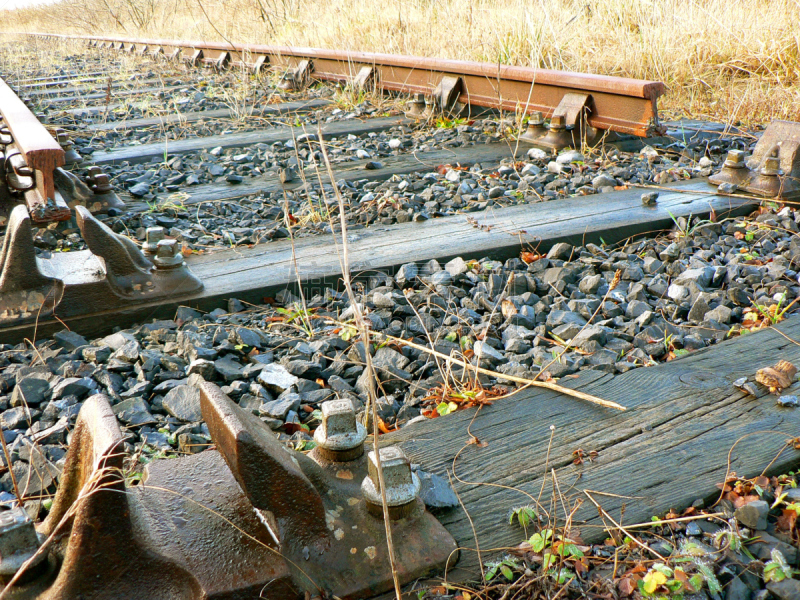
pixel 42 153
pixel 624 105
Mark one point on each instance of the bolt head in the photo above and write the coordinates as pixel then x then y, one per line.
pixel 402 486
pixel 735 159
pixel 558 122
pixel 339 429
pixel 168 254
pixel 535 120
pixel 772 166
pixel 153 236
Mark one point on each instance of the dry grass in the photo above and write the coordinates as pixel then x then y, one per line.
pixel 731 60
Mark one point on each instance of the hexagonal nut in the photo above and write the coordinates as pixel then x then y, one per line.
pixel 735 159
pixel 535 119
pixel 402 485
pixel 558 122
pixel 153 236
pixel 772 166
pixel 18 540
pixel 339 429
pixel 168 254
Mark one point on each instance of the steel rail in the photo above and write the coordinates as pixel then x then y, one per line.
pixel 623 105
pixel 30 156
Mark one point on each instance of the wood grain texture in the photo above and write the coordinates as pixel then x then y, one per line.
pixel 666 451
pixel 101 94
pixel 422 162
pixel 146 152
pixel 100 85
pixel 219 113
pixel 253 273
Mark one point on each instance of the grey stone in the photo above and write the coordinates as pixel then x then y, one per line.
pixel 248 337
pixel 133 411
pixel 74 386
pixel 701 276
pixel 69 340
pixel 140 189
pixel 560 317
pixel 603 180
pixel 753 514
pixel 699 309
pixel 96 354
pixel 788 589
pixel 721 314
pixel 228 369
pixel 30 391
pixel 406 274
pixel 386 357
pixel 590 284
pixel 738 590
pixel 128 352
pixel 457 266
pixel 483 349
pixel 560 251
pixel 278 409
pixel 435 491
pixel 276 378
pixel 204 368
pixel 183 402
pixel 116 340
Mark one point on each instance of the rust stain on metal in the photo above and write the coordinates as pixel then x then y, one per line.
pixel 204 526
pixel 39 155
pixel 623 105
pixel 772 171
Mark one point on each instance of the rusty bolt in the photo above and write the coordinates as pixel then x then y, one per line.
pixel 535 119
pixel 402 486
pixel 772 166
pixel 101 184
pixel 558 123
pixel 168 255
pixel 153 236
pixel 18 541
pixel 340 437
pixel 735 159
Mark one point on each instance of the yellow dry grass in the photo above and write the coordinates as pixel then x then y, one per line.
pixel 727 60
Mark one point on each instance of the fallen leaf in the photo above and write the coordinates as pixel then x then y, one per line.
pixel 626 586
pixel 778 377
pixel 507 308
pixel 529 257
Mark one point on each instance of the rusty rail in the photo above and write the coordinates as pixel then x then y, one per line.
pixel 30 156
pixel 627 106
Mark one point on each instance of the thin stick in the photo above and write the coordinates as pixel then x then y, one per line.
pixel 526 382
pixel 372 396
pixel 675 520
pixel 621 528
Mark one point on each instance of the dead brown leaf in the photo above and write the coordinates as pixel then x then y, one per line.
pixel 777 378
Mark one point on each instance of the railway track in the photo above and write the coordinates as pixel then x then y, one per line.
pixel 189 194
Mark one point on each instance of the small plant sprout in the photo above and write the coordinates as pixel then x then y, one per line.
pixel 662 582
pixel 541 540
pixel 524 515
pixel 777 569
pixel 505 567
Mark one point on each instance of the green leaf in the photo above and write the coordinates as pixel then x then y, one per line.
pixel 506 571
pixel 539 541
pixel 443 408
